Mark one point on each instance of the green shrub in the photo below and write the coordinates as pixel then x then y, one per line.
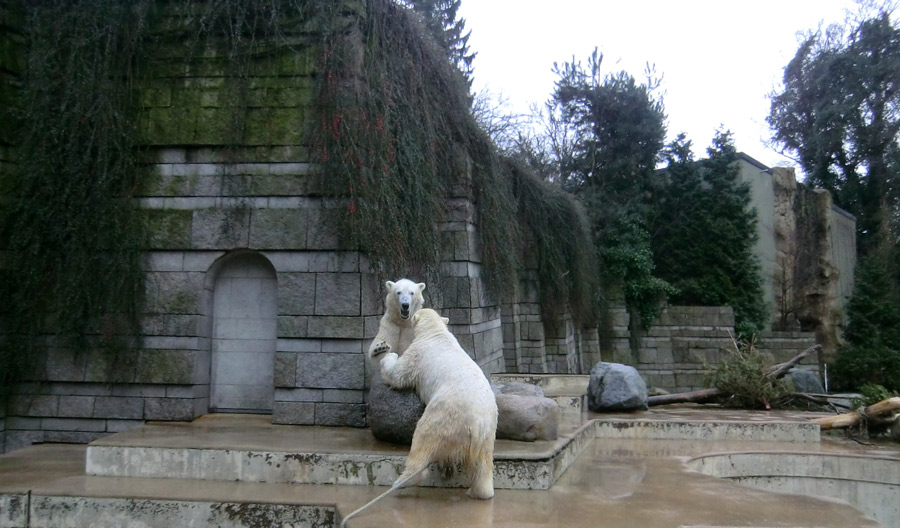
pixel 743 374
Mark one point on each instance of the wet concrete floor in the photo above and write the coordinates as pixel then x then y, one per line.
pixel 614 483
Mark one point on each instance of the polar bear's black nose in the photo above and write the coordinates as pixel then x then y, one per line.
pixel 404 306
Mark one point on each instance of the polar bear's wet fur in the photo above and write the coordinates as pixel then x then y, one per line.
pixel 460 418
pixel 404 298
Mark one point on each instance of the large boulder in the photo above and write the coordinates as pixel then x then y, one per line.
pixel 805 381
pixel 527 418
pixel 616 387
pixel 524 413
pixel 393 414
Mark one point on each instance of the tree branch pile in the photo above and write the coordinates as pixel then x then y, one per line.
pixel 775 372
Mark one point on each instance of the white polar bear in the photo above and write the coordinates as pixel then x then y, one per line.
pixel 460 419
pixel 403 300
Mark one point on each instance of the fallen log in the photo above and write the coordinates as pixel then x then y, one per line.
pixel 698 396
pixel 880 412
pixel 704 395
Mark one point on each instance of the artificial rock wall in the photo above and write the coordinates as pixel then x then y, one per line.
pixel 815 245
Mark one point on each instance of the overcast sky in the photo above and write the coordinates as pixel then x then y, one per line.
pixel 720 59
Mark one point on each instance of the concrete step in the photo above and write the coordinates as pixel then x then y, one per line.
pixel 246 448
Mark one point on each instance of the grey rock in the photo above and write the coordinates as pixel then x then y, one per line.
pixel 805 381
pixel 527 418
pixel 616 387
pixel 518 388
pixel 393 414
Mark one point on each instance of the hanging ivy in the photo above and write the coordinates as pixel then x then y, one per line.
pixel 67 221
pixel 395 137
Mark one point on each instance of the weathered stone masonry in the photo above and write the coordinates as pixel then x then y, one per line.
pixel 253 304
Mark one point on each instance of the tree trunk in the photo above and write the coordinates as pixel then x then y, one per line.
pixel 699 396
pixel 879 411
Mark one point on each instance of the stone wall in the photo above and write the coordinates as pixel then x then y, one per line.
pixel 234 218
pixel 672 354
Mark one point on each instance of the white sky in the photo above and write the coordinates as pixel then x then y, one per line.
pixel 720 59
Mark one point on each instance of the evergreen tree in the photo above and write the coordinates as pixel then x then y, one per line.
pixel 615 129
pixel 705 231
pixel 440 17
pixel 839 112
pixel 872 354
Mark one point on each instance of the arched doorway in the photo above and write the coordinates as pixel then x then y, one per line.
pixel 243 335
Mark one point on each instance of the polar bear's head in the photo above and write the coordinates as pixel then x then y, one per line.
pixel 428 320
pixel 404 298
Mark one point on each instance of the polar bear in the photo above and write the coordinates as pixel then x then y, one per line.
pixel 404 298
pixel 460 418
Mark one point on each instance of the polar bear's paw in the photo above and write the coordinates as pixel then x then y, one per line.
pixel 379 348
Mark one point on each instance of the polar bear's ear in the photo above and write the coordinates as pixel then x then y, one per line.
pixel 389 285
pixel 445 320
pixel 415 318
pixel 421 286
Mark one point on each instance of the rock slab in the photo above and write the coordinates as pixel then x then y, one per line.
pixel 616 387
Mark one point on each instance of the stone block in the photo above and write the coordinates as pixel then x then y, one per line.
pixel 285 369
pixel 343 396
pixel 171 409
pixel 342 414
pixel 165 366
pixel 175 292
pixel 168 228
pixel 323 231
pixel 23 424
pixel 292 326
pixel 298 395
pixel 371 295
pixel 278 229
pixel 220 228
pixel 296 293
pixel 333 327
pixel 73 437
pixel 331 371
pixel 33 405
pixel 64 365
pixel 73 424
pixel 119 408
pixel 338 294
pixel 294 413
pixel 76 407
pixel 281 184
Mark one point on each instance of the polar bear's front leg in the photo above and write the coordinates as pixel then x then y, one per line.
pixel 398 372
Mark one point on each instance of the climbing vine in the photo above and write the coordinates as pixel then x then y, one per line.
pixel 395 137
pixel 391 132
pixel 560 240
pixel 67 222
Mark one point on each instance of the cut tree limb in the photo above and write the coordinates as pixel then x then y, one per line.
pixel 781 369
pixel 881 411
pixel 700 396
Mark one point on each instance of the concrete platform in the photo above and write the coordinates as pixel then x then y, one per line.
pixel 614 482
pixel 247 448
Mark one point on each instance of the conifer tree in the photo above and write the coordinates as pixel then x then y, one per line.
pixel 440 17
pixel 705 231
